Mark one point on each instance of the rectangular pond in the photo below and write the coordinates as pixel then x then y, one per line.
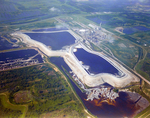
pixel 131 30
pixel 55 40
pixel 25 54
pixel 142 28
pixel 19 58
pixel 96 63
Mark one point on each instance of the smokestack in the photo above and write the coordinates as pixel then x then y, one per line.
pixel 100 26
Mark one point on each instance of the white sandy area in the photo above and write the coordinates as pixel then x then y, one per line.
pixel 98 79
pixel 32 43
pixel 77 68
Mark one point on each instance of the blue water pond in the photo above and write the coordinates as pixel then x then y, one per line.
pixel 20 54
pixel 96 63
pixel 142 28
pixel 55 40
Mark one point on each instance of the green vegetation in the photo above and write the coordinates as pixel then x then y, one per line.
pixel 46 91
pixel 130 48
pixel 99 6
pixel 116 90
pixel 29 12
pixel 7 106
pixel 137 25
pixel 72 80
pixel 66 112
pixel 125 19
pixel 123 50
pixel 142 37
pixel 143 66
pixel 94 47
pixel 144 114
pixel 28 26
pixel 42 90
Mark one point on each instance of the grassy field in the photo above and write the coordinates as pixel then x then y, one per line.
pixel 144 114
pixel 7 105
pixel 30 12
pixel 143 66
pixel 123 50
pixel 132 48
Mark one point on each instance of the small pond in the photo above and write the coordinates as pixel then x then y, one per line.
pixel 129 30
pixel 142 28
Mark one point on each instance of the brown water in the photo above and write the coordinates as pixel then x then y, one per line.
pixel 102 108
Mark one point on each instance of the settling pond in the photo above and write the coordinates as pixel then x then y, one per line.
pixel 96 63
pixel 7 57
pixel 122 107
pixel 55 40
pixel 131 30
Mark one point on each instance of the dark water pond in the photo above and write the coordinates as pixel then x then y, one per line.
pixel 122 106
pixel 96 63
pixel 134 29
pixel 50 29
pixel 142 28
pixel 20 54
pixel 5 45
pixel 129 30
pixel 13 40
pixel 55 40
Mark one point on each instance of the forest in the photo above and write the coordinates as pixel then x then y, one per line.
pixel 39 88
